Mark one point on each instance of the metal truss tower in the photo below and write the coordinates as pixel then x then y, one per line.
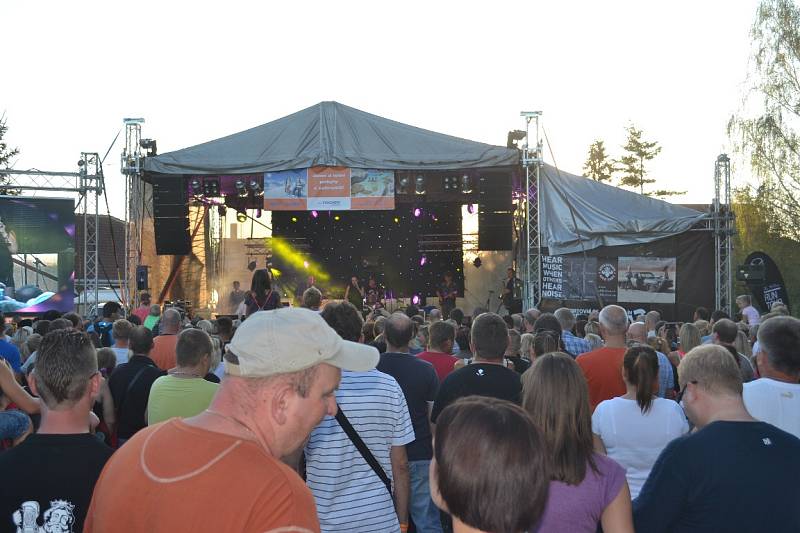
pixel 131 168
pixel 723 220
pixel 532 161
pixel 88 184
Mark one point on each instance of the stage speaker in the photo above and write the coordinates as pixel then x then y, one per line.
pixel 142 278
pixel 171 216
pixel 495 212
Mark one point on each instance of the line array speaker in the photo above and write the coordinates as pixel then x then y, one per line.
pixel 495 212
pixel 171 216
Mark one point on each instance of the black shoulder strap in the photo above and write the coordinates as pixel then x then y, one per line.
pixel 130 388
pixel 363 449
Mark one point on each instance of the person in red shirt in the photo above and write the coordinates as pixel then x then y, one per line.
pixel 441 338
pixel 144 307
pixel 603 367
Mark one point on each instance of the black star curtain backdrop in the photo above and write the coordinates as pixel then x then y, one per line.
pixel 384 244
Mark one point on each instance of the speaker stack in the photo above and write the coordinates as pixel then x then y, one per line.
pixel 495 212
pixel 171 216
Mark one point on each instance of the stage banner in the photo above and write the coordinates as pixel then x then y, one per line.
pixel 329 189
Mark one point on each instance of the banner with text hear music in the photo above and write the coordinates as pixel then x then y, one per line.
pixel 329 189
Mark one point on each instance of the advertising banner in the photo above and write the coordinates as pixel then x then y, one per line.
pixel 329 189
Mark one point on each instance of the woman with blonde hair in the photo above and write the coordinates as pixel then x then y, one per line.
pixel 526 346
pixel 690 336
pixel 586 488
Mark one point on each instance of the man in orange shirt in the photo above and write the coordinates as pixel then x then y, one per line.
pixel 603 367
pixel 221 471
pixel 163 353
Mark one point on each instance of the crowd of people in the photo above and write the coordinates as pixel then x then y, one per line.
pixel 317 418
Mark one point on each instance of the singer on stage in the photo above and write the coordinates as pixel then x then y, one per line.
pixel 447 292
pixel 8 247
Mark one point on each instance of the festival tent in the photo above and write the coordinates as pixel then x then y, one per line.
pixel 577 213
pixel 332 134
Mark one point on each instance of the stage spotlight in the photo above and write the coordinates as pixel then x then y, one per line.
pixel 422 261
pixel 255 186
pixel 305 265
pixel 294 219
pixel 314 214
pixel 258 213
pixel 513 137
pixel 396 220
pixel 241 217
pixel 477 262
pixel 471 208
pixel 419 184
pixel 196 186
pixel 211 188
pixel 404 185
pixel 241 190
pixel 415 299
pixel 417 212
pixel 150 146
pixel 337 217
pixel 251 266
pixel 466 184
pixel 450 183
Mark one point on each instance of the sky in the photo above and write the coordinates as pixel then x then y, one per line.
pixel 197 71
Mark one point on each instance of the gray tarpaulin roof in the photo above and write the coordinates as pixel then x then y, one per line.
pixel 604 215
pixel 331 134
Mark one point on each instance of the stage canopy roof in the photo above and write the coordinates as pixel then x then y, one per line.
pixel 331 134
pixel 604 215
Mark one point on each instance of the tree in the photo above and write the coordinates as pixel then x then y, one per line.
pixel 638 151
pixel 756 232
pixel 765 131
pixel 598 166
pixel 6 155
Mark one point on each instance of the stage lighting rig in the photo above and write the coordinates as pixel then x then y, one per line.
pixel 196 186
pixel 419 184
pixel 450 183
pixel 466 184
pixel 514 136
pixel 241 217
pixel 149 145
pixel 241 189
pixel 211 188
pixel 404 185
pixel 255 186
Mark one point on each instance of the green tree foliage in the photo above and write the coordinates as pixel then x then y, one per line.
pixel 598 165
pixel 637 151
pixel 765 131
pixel 6 155
pixel 756 232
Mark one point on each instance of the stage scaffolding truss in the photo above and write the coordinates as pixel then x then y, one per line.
pixel 530 260
pixel 724 227
pixel 88 184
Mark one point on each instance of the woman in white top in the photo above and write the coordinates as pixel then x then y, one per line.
pixel 634 428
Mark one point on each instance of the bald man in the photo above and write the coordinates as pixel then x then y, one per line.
pixel 637 334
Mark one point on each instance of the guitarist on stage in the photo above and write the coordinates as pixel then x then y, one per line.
pixel 447 292
pixel 512 300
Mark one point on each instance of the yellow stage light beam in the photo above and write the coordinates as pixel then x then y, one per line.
pixel 296 259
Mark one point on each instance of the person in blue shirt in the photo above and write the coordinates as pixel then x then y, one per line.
pixel 733 474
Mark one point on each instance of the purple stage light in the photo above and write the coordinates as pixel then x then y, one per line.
pixel 415 299
pixel 423 260
pixel 314 214
pixel 417 211
pixel 471 209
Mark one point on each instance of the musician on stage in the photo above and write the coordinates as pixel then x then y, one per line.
pixel 447 292
pixel 8 247
pixel 374 294
pixel 354 293
pixel 511 297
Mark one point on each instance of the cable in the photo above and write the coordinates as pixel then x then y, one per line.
pixel 574 220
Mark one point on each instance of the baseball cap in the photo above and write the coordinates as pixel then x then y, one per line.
pixel 291 339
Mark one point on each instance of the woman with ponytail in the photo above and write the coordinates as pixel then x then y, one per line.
pixel 634 428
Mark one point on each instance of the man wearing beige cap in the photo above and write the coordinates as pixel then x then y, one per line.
pixel 220 470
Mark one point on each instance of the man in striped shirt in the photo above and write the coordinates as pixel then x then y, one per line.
pixel 349 494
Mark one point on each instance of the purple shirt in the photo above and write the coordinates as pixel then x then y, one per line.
pixel 576 509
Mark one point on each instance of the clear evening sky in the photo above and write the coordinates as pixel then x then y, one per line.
pixel 199 70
